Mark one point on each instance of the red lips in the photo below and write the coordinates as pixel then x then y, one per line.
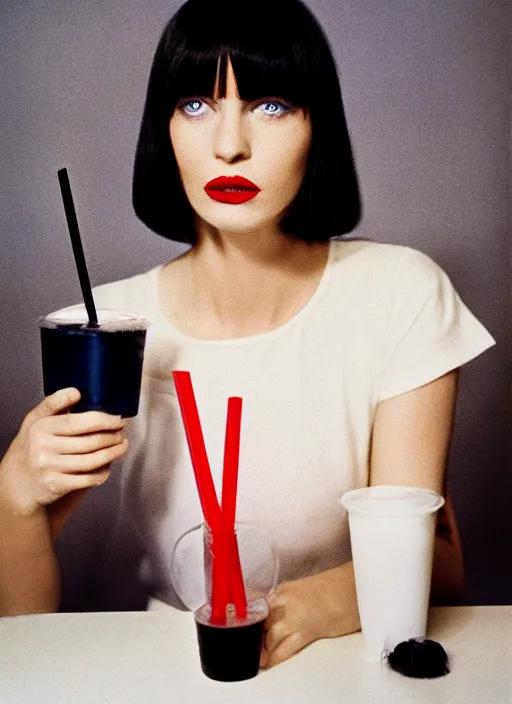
pixel 231 189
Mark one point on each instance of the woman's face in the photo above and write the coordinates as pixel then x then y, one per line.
pixel 265 142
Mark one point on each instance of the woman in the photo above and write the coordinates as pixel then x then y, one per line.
pixel 345 352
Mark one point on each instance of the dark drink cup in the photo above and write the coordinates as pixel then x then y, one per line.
pixel 230 648
pixel 104 363
pixel 230 653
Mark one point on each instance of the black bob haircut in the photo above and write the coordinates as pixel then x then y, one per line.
pixel 279 50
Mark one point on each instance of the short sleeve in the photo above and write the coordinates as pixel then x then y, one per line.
pixel 430 330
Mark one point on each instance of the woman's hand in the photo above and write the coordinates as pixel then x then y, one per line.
pixel 53 459
pixel 305 610
pixel 55 453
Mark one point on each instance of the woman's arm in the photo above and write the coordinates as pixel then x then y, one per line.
pixel 29 573
pixel 411 436
pixel 52 460
pixel 410 444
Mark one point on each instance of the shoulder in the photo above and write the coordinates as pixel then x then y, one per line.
pixel 360 252
pixel 378 264
pixel 136 294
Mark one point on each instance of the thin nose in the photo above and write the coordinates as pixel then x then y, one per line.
pixel 232 141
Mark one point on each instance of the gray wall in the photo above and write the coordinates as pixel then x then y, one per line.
pixel 426 91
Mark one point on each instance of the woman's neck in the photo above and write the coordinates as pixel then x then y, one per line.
pixel 228 287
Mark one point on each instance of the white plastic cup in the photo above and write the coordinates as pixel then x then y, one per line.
pixel 392 531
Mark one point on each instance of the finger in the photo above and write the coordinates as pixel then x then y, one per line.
pixel 264 657
pixel 83 444
pixel 276 634
pixel 70 464
pixel 276 613
pixel 83 423
pixel 286 649
pixel 59 484
pixel 53 404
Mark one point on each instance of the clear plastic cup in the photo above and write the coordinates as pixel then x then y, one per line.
pixel 104 362
pixel 229 652
pixel 392 531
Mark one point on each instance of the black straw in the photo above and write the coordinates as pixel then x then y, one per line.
pixel 78 251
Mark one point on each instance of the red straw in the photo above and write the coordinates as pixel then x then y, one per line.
pixel 220 585
pixel 228 513
pixel 197 448
pixel 227 578
pixel 206 490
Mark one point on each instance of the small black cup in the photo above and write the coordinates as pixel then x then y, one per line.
pixel 230 653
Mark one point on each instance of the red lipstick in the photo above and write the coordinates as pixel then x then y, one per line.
pixel 231 189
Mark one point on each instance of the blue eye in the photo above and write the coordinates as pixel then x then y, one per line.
pixel 194 108
pixel 273 107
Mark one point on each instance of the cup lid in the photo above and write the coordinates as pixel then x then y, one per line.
pixel 392 500
pixel 108 319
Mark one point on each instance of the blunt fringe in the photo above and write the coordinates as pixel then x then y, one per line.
pixel 280 50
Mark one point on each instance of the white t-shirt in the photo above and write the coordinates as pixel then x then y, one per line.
pixel 384 319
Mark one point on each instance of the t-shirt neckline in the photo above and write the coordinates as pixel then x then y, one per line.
pixel 250 339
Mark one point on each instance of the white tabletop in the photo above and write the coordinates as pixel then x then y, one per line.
pixel 152 658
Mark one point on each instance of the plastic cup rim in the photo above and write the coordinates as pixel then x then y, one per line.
pixel 238 624
pixel 347 501
pixel 238 524
pixel 130 319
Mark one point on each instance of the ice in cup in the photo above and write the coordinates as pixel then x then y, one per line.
pixel 230 652
pixel 392 532
pixel 103 362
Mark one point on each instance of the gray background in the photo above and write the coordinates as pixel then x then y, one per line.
pixel 427 97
